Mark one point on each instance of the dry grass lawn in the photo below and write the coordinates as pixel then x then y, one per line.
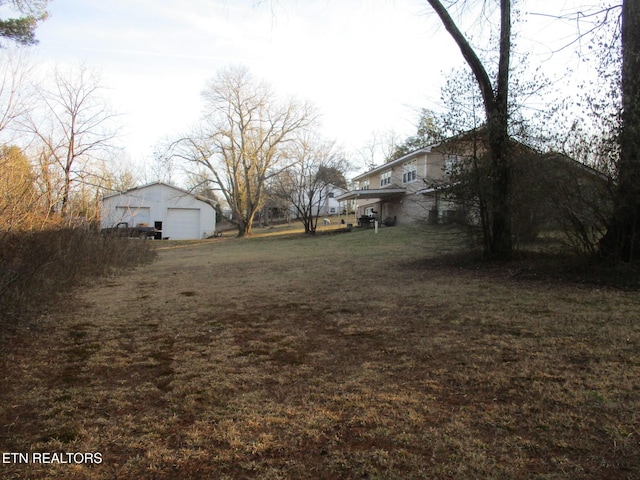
pixel 336 357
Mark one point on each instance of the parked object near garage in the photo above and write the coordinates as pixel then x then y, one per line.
pixel 123 229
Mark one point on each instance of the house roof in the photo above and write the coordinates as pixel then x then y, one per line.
pixel 181 190
pixel 563 159
pixel 336 187
pixel 371 193
pixel 397 161
pixel 553 156
pixel 415 153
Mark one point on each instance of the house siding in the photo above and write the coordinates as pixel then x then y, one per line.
pixel 411 207
pixel 330 205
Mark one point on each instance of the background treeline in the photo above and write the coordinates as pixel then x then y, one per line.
pixel 57 137
pixel 43 253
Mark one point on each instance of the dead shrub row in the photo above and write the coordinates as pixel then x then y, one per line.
pixel 37 267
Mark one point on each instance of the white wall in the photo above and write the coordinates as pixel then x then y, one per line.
pixel 183 216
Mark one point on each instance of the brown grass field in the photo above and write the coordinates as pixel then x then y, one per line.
pixel 335 357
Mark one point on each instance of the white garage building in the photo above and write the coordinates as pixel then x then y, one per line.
pixel 176 213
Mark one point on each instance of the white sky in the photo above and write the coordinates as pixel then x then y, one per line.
pixel 368 65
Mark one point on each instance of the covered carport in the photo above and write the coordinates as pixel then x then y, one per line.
pixel 370 197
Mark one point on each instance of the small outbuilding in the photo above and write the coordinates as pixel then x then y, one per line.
pixel 176 213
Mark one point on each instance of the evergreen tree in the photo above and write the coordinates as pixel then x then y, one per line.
pixel 22 29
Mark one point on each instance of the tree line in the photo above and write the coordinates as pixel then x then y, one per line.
pixel 252 145
pixel 58 144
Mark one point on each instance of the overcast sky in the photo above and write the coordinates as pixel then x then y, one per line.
pixel 368 65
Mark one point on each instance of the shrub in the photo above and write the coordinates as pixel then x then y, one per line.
pixel 37 267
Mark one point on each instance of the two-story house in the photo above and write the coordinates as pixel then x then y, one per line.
pixel 402 191
pixel 545 188
pixel 329 205
pixel 324 202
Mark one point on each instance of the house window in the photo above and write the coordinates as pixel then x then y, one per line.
pixel 330 195
pixel 332 210
pixel 364 185
pixel 409 172
pixel 385 178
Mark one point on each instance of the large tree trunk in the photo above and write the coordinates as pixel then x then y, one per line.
pixel 496 110
pixel 248 223
pixel 622 240
pixel 499 144
pixel 242 229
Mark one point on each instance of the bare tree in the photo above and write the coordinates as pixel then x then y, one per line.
pixel 381 146
pixel 73 127
pixel 15 98
pixel 116 175
pixel 495 100
pixel 244 139
pixel 306 185
pixel 161 167
pixel 618 142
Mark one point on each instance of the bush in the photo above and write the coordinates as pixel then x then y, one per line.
pixel 37 267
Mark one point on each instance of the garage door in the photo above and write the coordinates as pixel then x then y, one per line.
pixel 133 215
pixel 182 224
